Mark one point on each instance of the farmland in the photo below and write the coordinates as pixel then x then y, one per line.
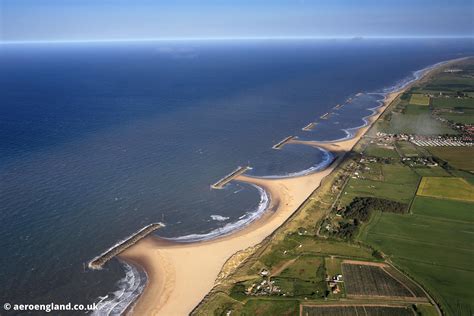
pixel 415 123
pixel 431 227
pixel 448 209
pixel 419 99
pixel 356 310
pixel 432 172
pixel 453 103
pixel 433 244
pixel 458 157
pixel 393 262
pixel 379 151
pixel 270 307
pixel 397 182
pixel 407 149
pixel 371 280
pixel 448 188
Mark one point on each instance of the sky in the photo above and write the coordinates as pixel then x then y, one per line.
pixel 76 20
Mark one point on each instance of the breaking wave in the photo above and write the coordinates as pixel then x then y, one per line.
pixel 229 228
pixel 219 218
pixel 132 285
pixel 328 158
pixel 129 288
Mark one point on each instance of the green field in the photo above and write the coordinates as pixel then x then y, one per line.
pixel 398 183
pixel 419 99
pixel 219 304
pixel 446 188
pixel 452 103
pixel 289 248
pixel 270 308
pixel 333 266
pixel 426 310
pixel 306 267
pixel 458 157
pixel 414 123
pixel 466 117
pixel 434 245
pixel 432 172
pixel 449 84
pixel 381 151
pixel 449 209
pixel 407 149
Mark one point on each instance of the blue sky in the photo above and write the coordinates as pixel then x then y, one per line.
pixel 43 20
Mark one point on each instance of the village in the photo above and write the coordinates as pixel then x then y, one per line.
pixel 386 139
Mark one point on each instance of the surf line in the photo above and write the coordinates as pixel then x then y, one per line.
pixel 98 262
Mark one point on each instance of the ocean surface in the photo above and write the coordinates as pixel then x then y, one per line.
pixel 98 140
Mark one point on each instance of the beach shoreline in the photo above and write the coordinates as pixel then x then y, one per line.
pixel 180 274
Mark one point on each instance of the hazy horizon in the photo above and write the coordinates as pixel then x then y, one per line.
pixel 124 20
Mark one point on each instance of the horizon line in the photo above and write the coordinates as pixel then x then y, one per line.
pixel 183 39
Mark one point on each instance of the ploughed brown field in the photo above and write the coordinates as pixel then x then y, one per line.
pixel 356 310
pixel 370 280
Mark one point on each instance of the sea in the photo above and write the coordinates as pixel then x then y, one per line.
pixel 100 139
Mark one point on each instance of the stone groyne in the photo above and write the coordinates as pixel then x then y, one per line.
pixel 222 182
pixel 325 116
pixel 309 127
pixel 280 144
pixel 98 262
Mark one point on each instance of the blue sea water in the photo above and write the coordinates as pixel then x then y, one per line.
pixel 100 139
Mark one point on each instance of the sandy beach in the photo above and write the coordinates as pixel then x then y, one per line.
pixel 181 274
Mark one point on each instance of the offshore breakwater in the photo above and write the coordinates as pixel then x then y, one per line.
pixel 282 143
pixel 127 143
pixel 309 127
pixel 98 262
pixel 222 182
pixel 236 225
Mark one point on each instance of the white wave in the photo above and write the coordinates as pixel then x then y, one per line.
pixel 231 227
pixel 328 157
pixel 132 285
pixel 129 288
pixel 415 75
pixel 219 218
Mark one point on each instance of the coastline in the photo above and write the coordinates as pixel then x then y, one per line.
pixel 181 274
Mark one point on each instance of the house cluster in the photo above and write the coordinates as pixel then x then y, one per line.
pixel 466 131
pixel 364 160
pixel 419 161
pixel 341 179
pixel 265 287
pixel 440 141
pixel 334 283
pixel 430 141
pixel 387 138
